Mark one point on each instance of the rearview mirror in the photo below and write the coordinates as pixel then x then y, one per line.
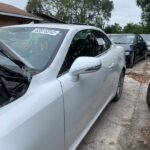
pixel 83 65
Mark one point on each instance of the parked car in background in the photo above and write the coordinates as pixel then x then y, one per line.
pixel 54 84
pixel 146 38
pixel 134 45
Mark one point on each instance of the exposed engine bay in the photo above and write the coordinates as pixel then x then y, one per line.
pixel 12 85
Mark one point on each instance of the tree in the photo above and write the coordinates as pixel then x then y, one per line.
pixel 96 12
pixel 35 6
pixel 128 28
pixel 134 28
pixel 115 28
pixel 145 6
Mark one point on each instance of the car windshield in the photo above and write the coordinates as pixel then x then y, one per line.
pixel 122 39
pixel 37 46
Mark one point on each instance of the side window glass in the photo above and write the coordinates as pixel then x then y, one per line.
pixel 103 43
pixel 83 44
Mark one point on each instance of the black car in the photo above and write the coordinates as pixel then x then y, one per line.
pixel 146 38
pixel 134 45
pixel 148 96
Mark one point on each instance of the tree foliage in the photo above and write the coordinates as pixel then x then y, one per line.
pixel 96 12
pixel 145 6
pixel 35 6
pixel 134 28
pixel 115 28
pixel 128 28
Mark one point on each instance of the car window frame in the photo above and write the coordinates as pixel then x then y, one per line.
pixel 103 53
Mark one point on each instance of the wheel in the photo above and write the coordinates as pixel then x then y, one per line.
pixel 131 63
pixel 148 96
pixel 119 88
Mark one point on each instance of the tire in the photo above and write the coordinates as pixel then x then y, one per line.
pixel 148 96
pixel 131 63
pixel 119 88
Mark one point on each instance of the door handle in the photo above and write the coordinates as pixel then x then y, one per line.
pixel 111 66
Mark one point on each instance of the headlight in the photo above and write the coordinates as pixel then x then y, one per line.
pixel 127 53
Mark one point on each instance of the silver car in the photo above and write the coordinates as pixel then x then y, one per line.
pixel 55 80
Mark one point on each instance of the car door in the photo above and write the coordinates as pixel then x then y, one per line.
pixel 86 98
pixel 111 56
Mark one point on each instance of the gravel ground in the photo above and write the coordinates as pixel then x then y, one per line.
pixel 124 125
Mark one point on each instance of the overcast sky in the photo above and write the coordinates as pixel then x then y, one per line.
pixel 125 10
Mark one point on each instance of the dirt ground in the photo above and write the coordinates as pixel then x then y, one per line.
pixel 124 125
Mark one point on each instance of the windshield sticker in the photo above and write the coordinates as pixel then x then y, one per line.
pixel 46 31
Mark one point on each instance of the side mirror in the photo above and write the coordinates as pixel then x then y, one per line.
pixel 83 65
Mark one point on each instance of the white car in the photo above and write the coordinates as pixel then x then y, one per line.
pixel 55 80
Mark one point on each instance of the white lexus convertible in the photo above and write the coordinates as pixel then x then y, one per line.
pixel 55 80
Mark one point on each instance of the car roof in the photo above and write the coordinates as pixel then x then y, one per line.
pixel 57 25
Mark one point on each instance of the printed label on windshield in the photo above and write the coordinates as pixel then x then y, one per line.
pixel 46 31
